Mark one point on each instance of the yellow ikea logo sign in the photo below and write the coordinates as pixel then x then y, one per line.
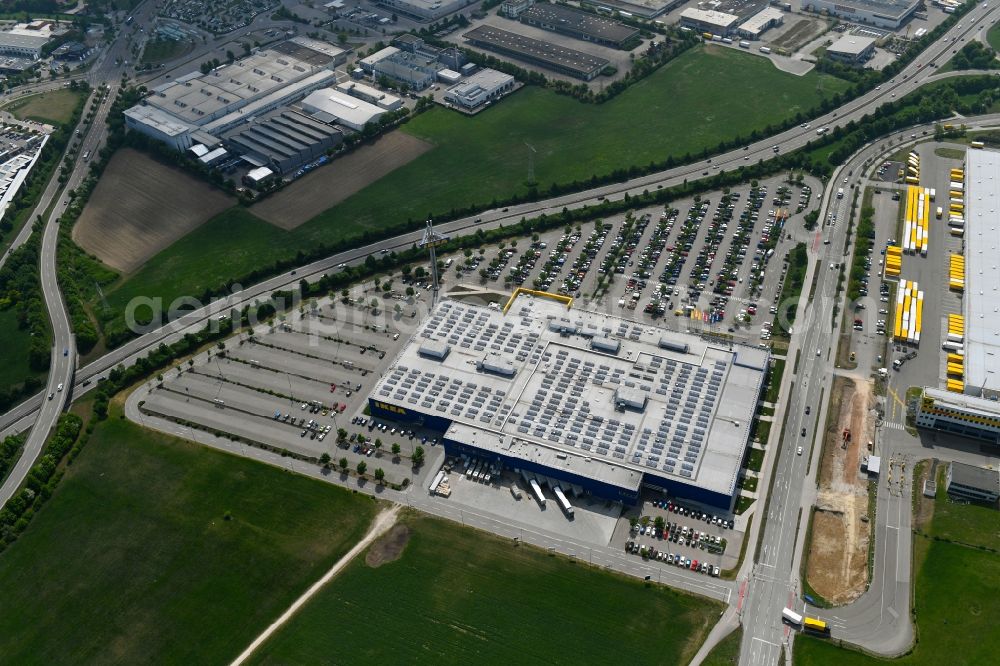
pixel 390 408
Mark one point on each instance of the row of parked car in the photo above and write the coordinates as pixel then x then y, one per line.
pixel 676 559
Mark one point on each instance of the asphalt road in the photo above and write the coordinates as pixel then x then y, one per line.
pixel 772 584
pixel 56 395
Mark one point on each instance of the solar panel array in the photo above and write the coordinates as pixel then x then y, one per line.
pixel 563 393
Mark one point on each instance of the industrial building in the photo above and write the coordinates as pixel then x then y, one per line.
pixel 415 70
pixel 579 24
pixel 852 49
pixel 371 95
pixel 959 414
pixel 760 22
pixel 976 484
pixel 331 106
pixel 708 20
pixel 22 46
pixel 200 108
pixel 889 14
pixel 981 300
pixel 284 140
pixel 425 10
pixel 484 86
pixel 596 402
pixel 544 54
pixel 647 9
pixel 368 63
pixel 514 8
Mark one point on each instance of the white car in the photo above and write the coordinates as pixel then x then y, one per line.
pixel 799 451
pixel 60 387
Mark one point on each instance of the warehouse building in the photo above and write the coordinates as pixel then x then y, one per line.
pixel 209 105
pixel 425 10
pixel 484 86
pixel 981 300
pixel 514 8
pixel 331 106
pixel 22 46
pixel 414 70
pixel 601 403
pixel 368 64
pixel 976 484
pixel 579 24
pixel 708 20
pixel 371 95
pixel 889 14
pixel 761 22
pixel 559 59
pixel 647 9
pixel 284 140
pixel 852 49
pixel 958 414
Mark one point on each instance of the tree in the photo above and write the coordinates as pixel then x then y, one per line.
pixel 341 434
pixel 343 464
pixel 395 449
pixel 324 460
pixel 409 292
pixel 379 474
pixel 362 466
pixel 378 444
pixel 418 456
pixel 660 522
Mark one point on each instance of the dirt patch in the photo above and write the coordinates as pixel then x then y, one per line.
pixel 838 552
pixel 141 206
pixel 326 187
pixel 389 548
pixel 799 33
pixel 923 507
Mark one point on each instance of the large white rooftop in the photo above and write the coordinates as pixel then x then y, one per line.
pixel 535 383
pixel 981 302
pixel 851 45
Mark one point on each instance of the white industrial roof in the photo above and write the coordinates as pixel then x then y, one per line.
pixel 969 404
pixel 23 41
pixel 379 56
pixel 260 173
pixel 559 402
pixel 374 93
pixel 351 110
pixel 157 119
pixel 710 17
pixel 757 22
pixel 851 45
pixel 981 302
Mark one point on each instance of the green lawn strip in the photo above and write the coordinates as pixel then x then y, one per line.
pixel 727 652
pixel 774 381
pixel 457 596
pixel 993 37
pixel 156 549
pixel 755 460
pixel 162 50
pixel 478 159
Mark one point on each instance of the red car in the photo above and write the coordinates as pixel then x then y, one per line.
pixel 694 565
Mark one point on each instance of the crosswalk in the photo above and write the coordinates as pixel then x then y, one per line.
pixel 893 425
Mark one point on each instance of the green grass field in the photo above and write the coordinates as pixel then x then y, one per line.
pixel 162 50
pixel 726 653
pixel 993 37
pixel 134 561
pixel 971 524
pixel 54 108
pixel 690 104
pixel 461 597
pixel 14 342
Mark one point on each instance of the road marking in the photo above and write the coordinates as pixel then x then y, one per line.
pixel 893 425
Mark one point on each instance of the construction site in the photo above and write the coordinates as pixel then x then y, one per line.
pixel 837 566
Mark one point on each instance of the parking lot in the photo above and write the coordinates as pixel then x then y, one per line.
pixel 715 263
pixel 299 385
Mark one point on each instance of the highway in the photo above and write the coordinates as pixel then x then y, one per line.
pixel 56 396
pixel 772 579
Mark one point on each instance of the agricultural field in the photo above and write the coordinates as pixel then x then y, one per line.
pixel 141 206
pixel 55 107
pixel 324 188
pixel 458 596
pixel 477 159
pixel 153 549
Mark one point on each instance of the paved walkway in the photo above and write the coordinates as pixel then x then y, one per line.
pixel 383 521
